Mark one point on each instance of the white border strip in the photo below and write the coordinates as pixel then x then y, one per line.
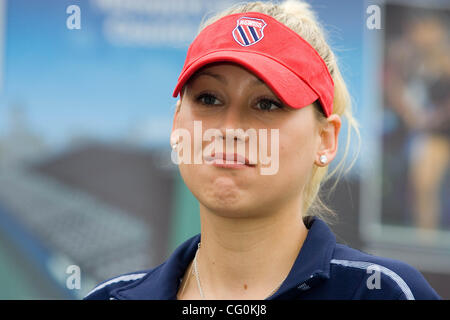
pixel 128 277
pixel 391 274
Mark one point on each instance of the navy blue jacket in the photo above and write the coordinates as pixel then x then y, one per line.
pixel 323 270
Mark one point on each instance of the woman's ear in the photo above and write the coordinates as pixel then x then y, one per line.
pixel 329 134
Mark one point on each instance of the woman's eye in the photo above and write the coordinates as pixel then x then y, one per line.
pixel 263 104
pixel 268 105
pixel 208 99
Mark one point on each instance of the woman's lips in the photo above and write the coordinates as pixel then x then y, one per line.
pixel 228 160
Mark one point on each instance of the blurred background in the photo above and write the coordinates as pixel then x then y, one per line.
pixel 86 113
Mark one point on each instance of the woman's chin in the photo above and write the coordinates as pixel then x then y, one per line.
pixel 229 202
pixel 226 194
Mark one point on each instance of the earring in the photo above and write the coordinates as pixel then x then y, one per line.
pixel 323 159
pixel 174 153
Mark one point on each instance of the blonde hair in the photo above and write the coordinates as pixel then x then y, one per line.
pixel 298 16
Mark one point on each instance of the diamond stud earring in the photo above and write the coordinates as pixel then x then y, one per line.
pixel 323 159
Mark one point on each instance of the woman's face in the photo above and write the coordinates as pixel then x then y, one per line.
pixel 228 96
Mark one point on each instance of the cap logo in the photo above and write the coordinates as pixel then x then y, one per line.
pixel 248 31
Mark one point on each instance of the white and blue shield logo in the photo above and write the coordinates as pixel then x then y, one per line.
pixel 248 31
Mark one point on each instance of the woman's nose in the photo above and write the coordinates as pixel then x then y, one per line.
pixel 234 117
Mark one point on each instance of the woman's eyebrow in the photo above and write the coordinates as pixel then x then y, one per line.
pixel 214 75
pixel 221 78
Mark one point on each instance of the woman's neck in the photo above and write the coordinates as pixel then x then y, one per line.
pixel 246 258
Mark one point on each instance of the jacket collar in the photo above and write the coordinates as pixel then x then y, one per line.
pixel 311 266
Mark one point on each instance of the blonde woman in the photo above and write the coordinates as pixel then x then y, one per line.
pixel 267 70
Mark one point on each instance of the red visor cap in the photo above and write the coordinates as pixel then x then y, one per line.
pixel 288 64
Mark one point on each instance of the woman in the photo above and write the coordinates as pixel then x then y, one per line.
pixel 265 69
pixel 417 81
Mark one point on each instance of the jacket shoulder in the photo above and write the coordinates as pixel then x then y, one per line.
pixel 380 277
pixel 103 290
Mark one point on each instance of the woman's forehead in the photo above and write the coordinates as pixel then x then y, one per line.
pixel 226 69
